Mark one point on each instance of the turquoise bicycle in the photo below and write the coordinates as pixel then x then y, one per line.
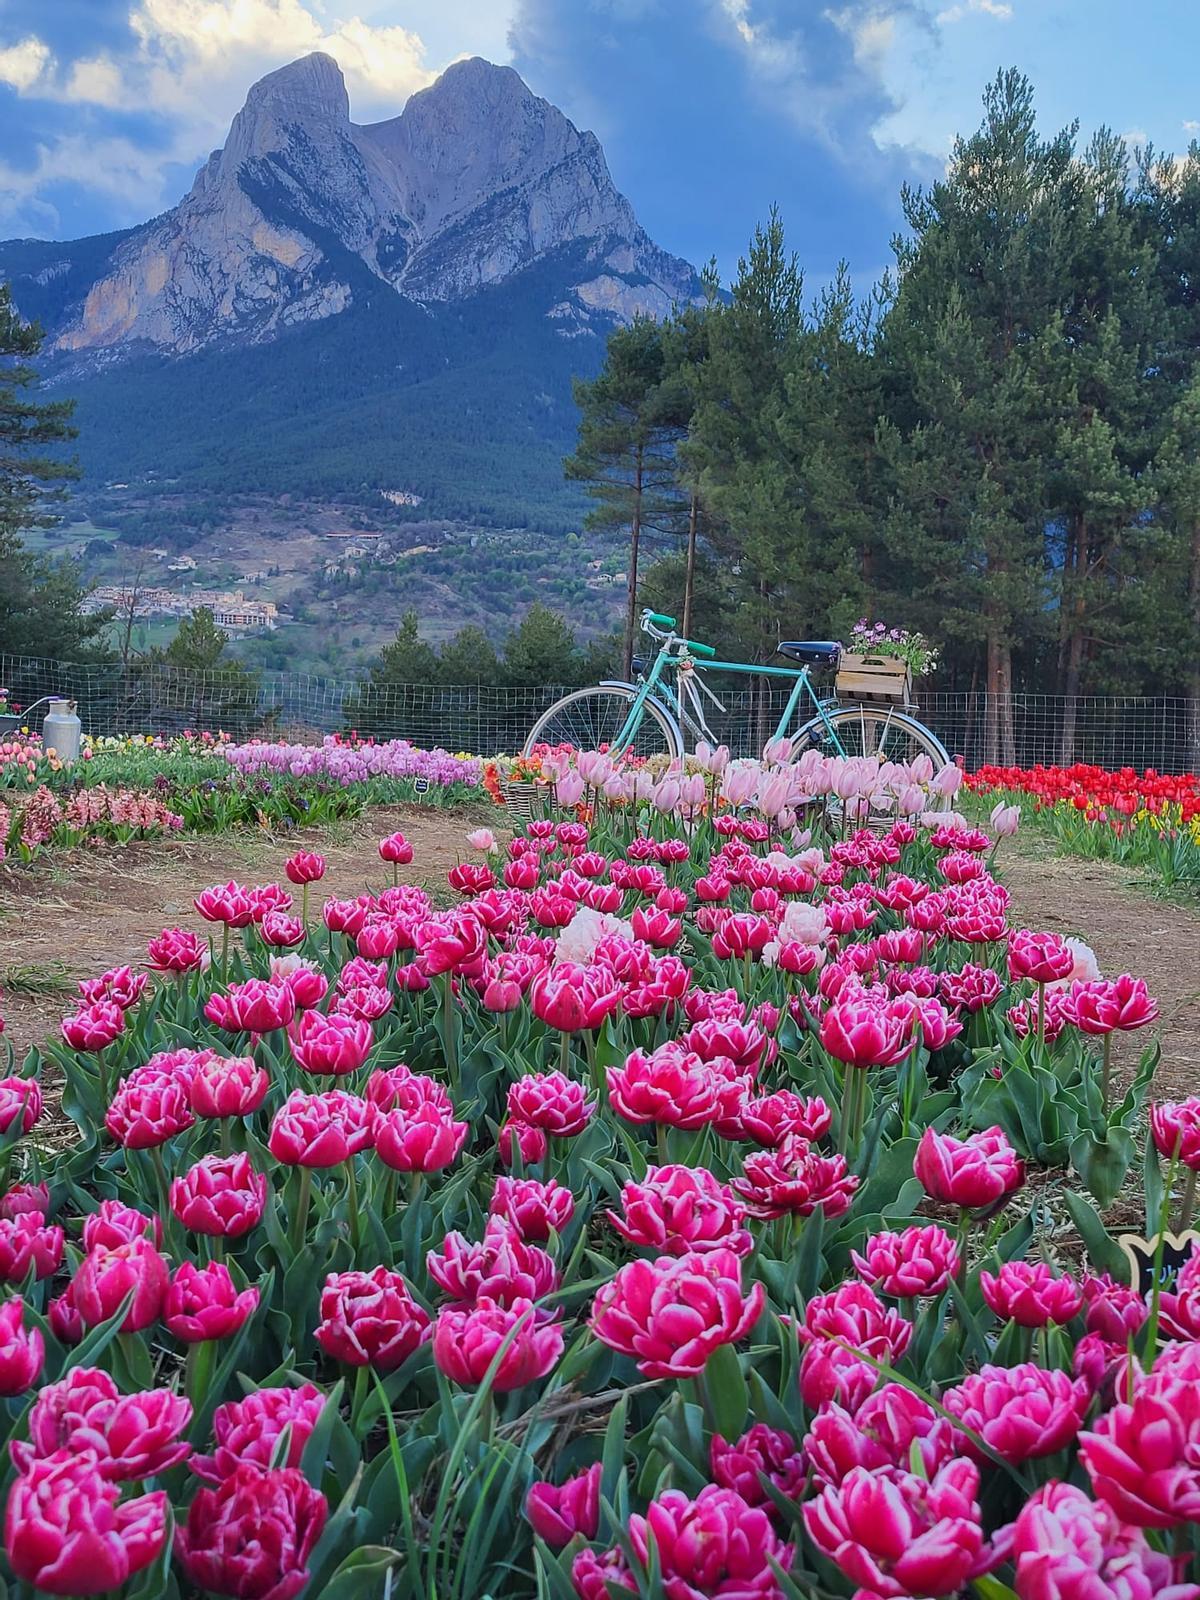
pixel 651 715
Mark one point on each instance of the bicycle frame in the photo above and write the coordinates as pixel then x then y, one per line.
pixel 689 681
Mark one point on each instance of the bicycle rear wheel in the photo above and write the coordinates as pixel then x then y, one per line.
pixel 592 719
pixel 870 730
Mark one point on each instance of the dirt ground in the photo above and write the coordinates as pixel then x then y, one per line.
pixel 77 914
pixel 80 913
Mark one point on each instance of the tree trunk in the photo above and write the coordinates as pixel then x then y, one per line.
pixel 635 538
pixel 689 568
pixel 1073 614
pixel 1194 685
pixel 1000 746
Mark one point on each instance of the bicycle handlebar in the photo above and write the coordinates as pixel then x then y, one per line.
pixel 696 649
pixel 659 617
pixel 652 620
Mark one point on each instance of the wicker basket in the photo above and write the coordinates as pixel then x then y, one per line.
pixel 523 799
pixel 878 679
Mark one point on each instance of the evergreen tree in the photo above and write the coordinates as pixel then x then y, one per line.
pixel 40 600
pixel 541 651
pixel 470 657
pixel 377 707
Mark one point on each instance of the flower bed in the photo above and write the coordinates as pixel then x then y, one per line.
pixel 1148 820
pixel 207 784
pixel 654 1221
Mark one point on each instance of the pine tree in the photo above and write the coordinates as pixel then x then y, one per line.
pixel 40 600
pixel 469 657
pixel 540 651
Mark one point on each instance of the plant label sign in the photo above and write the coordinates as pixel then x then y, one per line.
pixel 421 785
pixel 1177 1250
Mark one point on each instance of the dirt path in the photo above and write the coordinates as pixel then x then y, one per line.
pixel 77 914
pixel 1130 931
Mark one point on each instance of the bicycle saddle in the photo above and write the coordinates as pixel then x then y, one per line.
pixel 813 652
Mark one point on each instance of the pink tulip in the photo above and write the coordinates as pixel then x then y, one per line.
pixel 761 1452
pixel 972 989
pixel 1031 1294
pixel 795 1178
pixel 713 1545
pixel 771 1119
pixel 329 1045
pixel 895 1534
pixel 669 1085
pixel 396 849
pixel 422 1140
pixel 25 1242
pixel 148 1109
pixel 976 1172
pixel 574 998
pixel 306 866
pixel 1108 1005
pixel 880 1435
pixel 20 1102
pixel 249 1430
pixel 226 902
pixel 671 1314
pixel 255 1006
pixel 1038 957
pixel 221 1196
pixel 675 1210
pixel 68 1532
pixel 1143 1455
pixel 557 1512
pixel 22 1351
pixel 93 1028
pixel 914 1263
pixel 228 1086
pixel 1020 1412
pixel 1067 1547
pixel 105 1276
pixel 863 1034
pixel 534 1209
pixel 204 1303
pixel 1112 1310
pixel 854 1315
pixel 370 1319
pixel 502 1267
pixel 551 1101
pixel 320 1130
pixel 128 1436
pixel 467 1339
pixel 569 789
pixel 1004 820
pixel 176 950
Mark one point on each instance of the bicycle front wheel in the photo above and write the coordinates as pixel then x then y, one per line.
pixel 593 719
pixel 871 730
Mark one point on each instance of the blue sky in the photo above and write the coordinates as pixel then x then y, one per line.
pixel 709 110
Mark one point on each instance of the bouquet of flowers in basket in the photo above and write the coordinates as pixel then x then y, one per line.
pixel 502 770
pixel 877 639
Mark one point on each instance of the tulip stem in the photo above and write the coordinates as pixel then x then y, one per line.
pixel 449 1033
pixel 352 1201
pixel 224 951
pixel 1041 1022
pixel 964 1235
pixel 199 1370
pixel 564 1055
pixel 160 1173
pixel 1106 1071
pixel 300 1219
pixel 361 1375
pixel 1189 1200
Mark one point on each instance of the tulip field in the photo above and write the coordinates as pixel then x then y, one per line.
pixel 704 1195
pixel 1145 820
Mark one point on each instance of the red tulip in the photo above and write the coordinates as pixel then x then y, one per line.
pixel 228 1086
pixel 268 899
pixel 319 1130
pixel 105 1276
pixel 713 1545
pixel 93 1028
pixel 396 849
pixel 226 902
pixel 128 1436
pixel 424 1140
pixel 1020 1412
pixel 1112 1310
pixel 306 866
pixel 280 931
pixel 551 1101
pixel 596 1575
pixel 370 1319
pixel 344 916
pixel 972 989
pixel 399 1088
pixel 221 1196
pixel 795 1178
pixel 22 1351
pixel 557 1512
pixel 177 950
pixel 976 1172
pixel 771 1119
pixel 503 1267
pixel 204 1303
pixel 20 1198
pixel 762 1452
pixel 741 935
pixel 149 1108
pixel 121 985
pixel 916 1262
pixel 675 1210
pixel 20 1101
pixel 113 1224
pixel 1039 957
pixel 329 1046
pixel 656 927
pixel 854 1314
pixel 253 1535
pixel 456 944
pixel 67 1532
pixel 671 1314
pixel 515 1138
pixel 1031 1294
pixel 255 1006
pixel 1175 1126
pixel 895 1534
pixel 534 1209
pixel 249 1430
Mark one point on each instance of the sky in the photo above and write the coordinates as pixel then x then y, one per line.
pixel 709 111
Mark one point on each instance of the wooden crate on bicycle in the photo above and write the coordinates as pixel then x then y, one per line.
pixel 878 679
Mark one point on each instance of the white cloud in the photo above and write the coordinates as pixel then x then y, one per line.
pixel 24 65
pixel 985 8
pixel 1191 127
pixel 114 167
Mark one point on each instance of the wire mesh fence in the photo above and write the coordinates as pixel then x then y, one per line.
pixel 153 697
